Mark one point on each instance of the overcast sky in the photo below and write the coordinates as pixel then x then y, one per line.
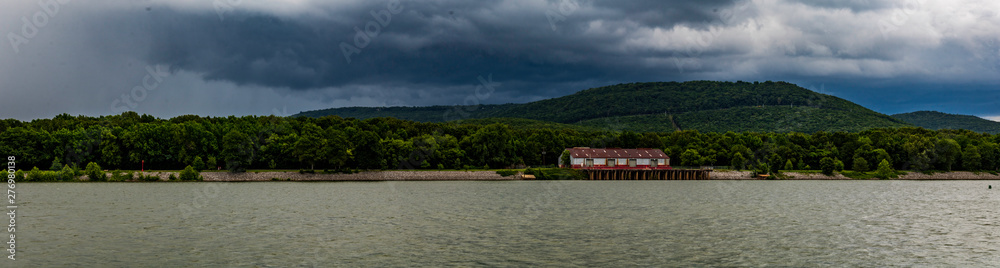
pixel 232 57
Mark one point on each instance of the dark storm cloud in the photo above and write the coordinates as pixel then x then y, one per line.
pixel 440 43
pixel 433 51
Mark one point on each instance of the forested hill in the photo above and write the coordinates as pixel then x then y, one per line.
pixel 939 120
pixel 665 106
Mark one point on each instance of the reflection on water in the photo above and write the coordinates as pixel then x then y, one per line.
pixel 532 223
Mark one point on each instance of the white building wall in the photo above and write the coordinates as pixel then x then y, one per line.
pixel 619 162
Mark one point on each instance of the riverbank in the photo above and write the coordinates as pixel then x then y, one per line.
pixel 954 175
pixel 486 175
pixel 360 176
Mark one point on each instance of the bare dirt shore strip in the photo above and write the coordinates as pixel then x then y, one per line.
pixel 361 176
pixel 954 175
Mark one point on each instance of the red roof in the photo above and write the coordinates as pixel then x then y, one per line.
pixel 616 153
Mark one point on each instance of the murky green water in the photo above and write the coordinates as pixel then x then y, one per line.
pixel 570 223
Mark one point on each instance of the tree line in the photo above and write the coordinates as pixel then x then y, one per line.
pixel 129 141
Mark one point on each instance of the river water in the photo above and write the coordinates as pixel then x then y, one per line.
pixel 509 223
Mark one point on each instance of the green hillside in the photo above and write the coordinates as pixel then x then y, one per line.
pixel 702 105
pixel 522 123
pixel 673 98
pixel 420 114
pixel 756 119
pixel 939 120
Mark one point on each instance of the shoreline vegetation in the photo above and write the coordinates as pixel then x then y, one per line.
pixel 481 175
pixel 68 145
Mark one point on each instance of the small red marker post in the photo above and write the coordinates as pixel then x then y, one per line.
pixel 143 167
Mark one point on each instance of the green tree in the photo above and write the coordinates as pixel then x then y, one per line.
pixel 237 151
pixel 67 173
pixel 650 140
pixel 762 168
pixel 789 165
pixel 860 164
pixel 56 165
pixel 916 149
pixel 838 165
pixel 28 144
pixel 881 154
pixel 565 158
pixel 827 165
pixel 691 158
pixel 111 154
pixel 190 174
pixel 495 145
pixel 397 153
pixel 971 159
pixel 211 162
pixel 775 163
pixel 885 170
pixel 307 148
pixel 198 164
pixel 335 147
pixel 738 161
pixel 990 155
pixel 95 173
pixel 947 151
pixel 368 150
pixel 149 142
pixel 191 139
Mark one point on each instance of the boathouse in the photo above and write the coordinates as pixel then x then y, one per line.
pixel 615 158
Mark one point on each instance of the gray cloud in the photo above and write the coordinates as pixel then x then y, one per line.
pixel 256 57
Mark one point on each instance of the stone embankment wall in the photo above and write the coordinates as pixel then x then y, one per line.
pixel 362 176
pixel 955 175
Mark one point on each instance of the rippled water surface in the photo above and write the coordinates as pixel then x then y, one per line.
pixel 526 223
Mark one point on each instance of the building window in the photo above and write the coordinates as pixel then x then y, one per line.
pixel 589 162
pixel 611 162
pixel 631 162
pixel 652 162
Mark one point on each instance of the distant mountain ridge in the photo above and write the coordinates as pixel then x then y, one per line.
pixel 664 106
pixel 938 120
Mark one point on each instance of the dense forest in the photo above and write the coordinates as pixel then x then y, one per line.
pixel 754 119
pixel 938 120
pixel 706 106
pixel 252 142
